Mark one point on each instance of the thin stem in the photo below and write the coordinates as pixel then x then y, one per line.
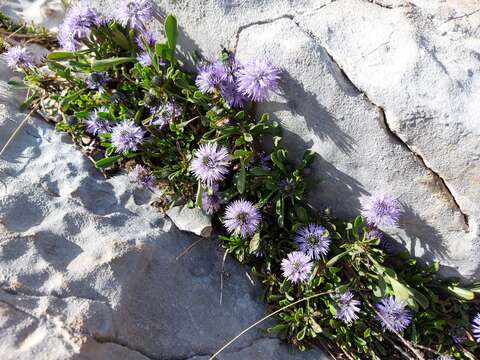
pixel 19 127
pixel 263 319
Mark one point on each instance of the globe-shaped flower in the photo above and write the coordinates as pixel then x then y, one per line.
pixel 19 57
pixel 210 163
pixel 209 77
pixel 313 240
pixel 257 78
pixel 163 115
pixel 232 96
pixel 392 314
pixel 97 80
pixel 142 176
pixel 381 210
pixel 241 218
pixel 126 136
pixel 211 200
pixel 296 267
pixel 78 21
pixel 135 13
pixel 476 327
pixel 347 307
pixel 96 125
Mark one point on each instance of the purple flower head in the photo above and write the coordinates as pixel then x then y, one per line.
pixel 476 327
pixel 97 80
pixel 392 314
pixel 287 187
pixel 231 67
pixel 211 200
pixel 142 176
pixel 135 13
pixel 96 125
pixel 265 160
pixel 19 57
pixel 209 76
pixel 347 307
pixel 78 21
pixel 144 58
pixel 210 163
pixel 230 93
pixel 147 37
pixel 458 335
pixel 241 218
pixel 296 267
pixel 257 78
pixel 313 240
pixel 163 115
pixel 381 210
pixel 126 136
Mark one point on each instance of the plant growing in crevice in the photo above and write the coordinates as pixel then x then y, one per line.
pixel 195 139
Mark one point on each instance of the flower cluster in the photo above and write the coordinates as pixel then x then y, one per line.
pixel 381 210
pixel 347 307
pixel 210 164
pixel 19 57
pixel 297 267
pixel 96 125
pixel 127 136
pixel 142 176
pixel 78 22
pixel 392 314
pixel 238 83
pixel 241 218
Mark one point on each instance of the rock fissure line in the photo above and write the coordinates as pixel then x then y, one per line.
pixel 260 22
pixel 386 6
pixel 439 179
pixel 34 293
pixel 443 184
pixel 108 340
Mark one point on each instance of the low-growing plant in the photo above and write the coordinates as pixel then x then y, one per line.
pixel 195 139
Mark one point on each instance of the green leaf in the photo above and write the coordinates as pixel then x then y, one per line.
pixel 61 55
pixel 198 198
pixel 106 64
pixel 242 178
pixel 248 137
pixel 254 243
pixel 333 260
pixel 107 161
pixel 121 39
pixel 461 292
pixel 171 31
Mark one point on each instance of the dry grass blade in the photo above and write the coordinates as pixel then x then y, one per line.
pixel 263 319
pixel 18 128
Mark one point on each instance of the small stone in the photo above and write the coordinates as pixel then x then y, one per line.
pixel 192 220
pixel 86 140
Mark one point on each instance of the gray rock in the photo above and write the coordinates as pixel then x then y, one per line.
pixel 193 220
pixel 88 270
pixel 385 92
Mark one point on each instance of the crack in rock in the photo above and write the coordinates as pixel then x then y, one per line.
pixel 102 340
pixel 388 6
pixel 440 181
pixel 260 22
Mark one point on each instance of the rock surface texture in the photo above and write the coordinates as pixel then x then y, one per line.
pixel 386 92
pixel 88 270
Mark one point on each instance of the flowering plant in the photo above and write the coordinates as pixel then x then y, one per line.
pixel 195 139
